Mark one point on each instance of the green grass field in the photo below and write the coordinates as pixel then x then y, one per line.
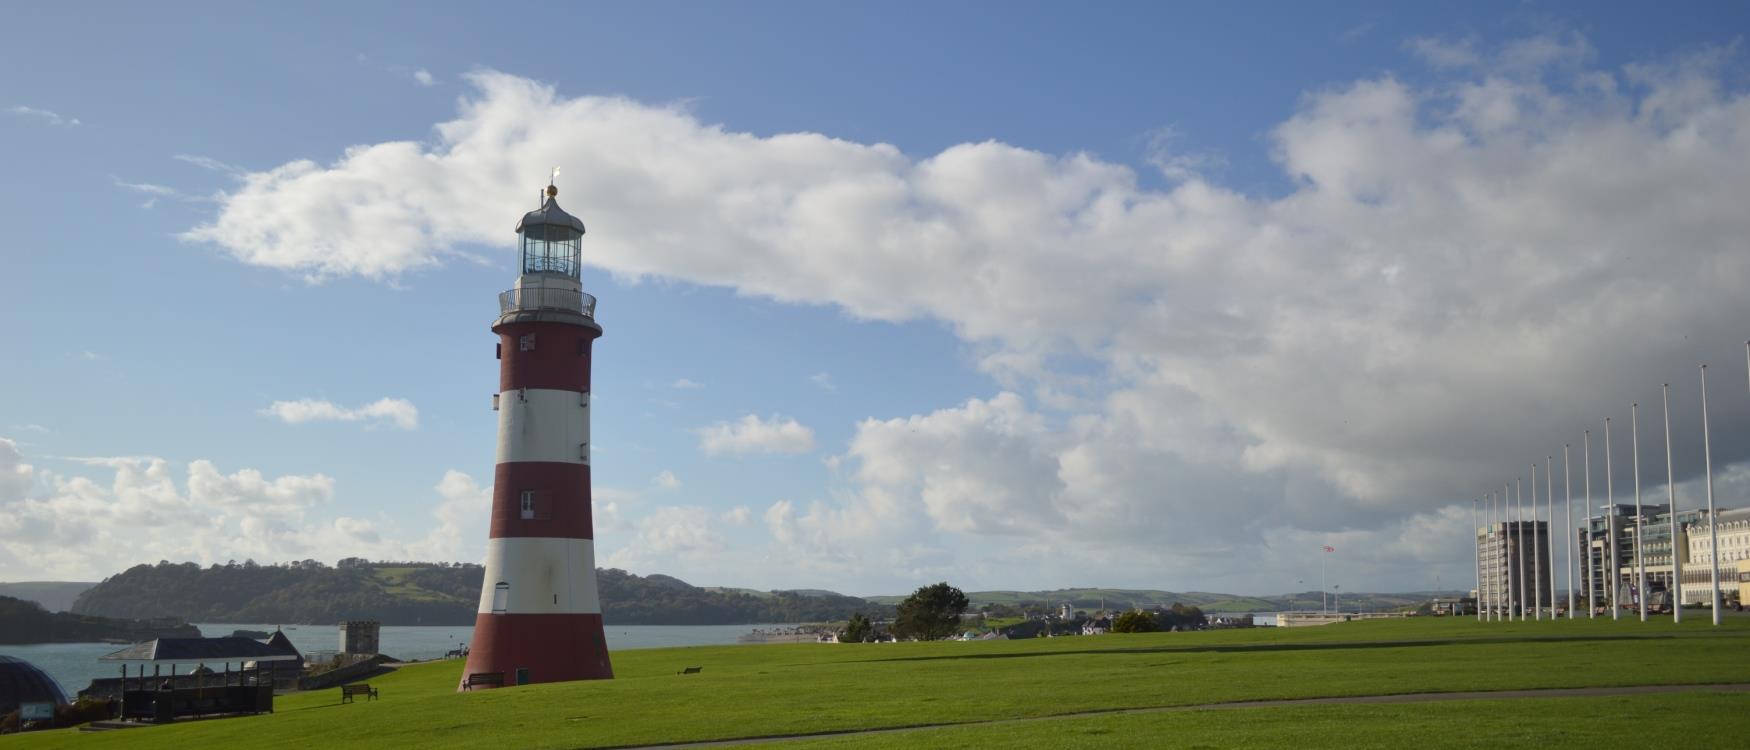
pixel 776 690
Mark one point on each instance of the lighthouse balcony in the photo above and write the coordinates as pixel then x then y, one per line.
pixel 537 299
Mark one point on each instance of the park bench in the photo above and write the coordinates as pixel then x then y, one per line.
pixel 495 679
pixel 348 691
pixel 691 670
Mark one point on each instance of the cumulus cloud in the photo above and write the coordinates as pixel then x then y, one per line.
pixel 1462 274
pixel 397 411
pixel 423 77
pixel 669 534
pixel 666 480
pixel 55 525
pixel 754 434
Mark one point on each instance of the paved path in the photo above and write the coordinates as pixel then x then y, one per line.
pixel 1596 692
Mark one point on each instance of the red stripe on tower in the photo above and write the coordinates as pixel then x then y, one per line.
pixel 539 618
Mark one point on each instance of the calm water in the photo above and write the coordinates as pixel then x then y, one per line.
pixel 75 664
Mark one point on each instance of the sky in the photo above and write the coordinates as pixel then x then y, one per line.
pixel 1012 295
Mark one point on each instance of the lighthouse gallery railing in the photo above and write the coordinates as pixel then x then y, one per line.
pixel 542 298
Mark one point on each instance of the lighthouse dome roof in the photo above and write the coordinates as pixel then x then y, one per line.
pixel 550 214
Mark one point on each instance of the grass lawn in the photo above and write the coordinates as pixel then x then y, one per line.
pixel 1699 719
pixel 751 691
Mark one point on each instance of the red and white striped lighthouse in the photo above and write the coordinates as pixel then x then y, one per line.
pixel 540 618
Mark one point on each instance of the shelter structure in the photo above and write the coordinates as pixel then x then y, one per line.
pixel 164 697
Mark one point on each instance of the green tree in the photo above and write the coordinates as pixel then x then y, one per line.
pixel 930 613
pixel 1135 621
pixel 858 630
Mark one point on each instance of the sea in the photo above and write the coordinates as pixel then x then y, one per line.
pixel 74 665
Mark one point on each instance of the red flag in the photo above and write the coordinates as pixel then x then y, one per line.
pixel 1329 548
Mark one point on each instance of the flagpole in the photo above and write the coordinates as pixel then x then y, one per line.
pixel 1634 431
pixel 1474 527
pixel 1324 591
pixel 1591 588
pixel 1671 500
pixel 1505 612
pixel 1707 451
pixel 1536 557
pixel 1519 540
pixel 1568 491
pixel 1610 527
pixel 1549 539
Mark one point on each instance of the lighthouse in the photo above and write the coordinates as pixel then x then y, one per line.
pixel 539 618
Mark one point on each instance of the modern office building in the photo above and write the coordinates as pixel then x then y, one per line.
pixel 1514 555
pixel 1616 532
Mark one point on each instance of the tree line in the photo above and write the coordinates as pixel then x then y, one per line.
pixel 419 593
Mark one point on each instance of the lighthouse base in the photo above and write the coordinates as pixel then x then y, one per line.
pixel 531 648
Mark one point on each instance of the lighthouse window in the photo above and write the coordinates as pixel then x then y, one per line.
pixel 528 504
pixel 501 598
pixel 526 342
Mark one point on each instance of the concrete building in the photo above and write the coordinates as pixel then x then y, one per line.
pixel 1734 531
pixel 359 636
pixel 1694 551
pixel 1506 550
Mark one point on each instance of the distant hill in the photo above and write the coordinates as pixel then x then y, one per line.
pixel 55 596
pixel 24 621
pixel 411 593
pixel 1095 598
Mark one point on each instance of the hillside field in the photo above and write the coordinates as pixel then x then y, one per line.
pixel 1002 692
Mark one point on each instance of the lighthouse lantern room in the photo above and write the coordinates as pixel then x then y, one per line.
pixel 539 617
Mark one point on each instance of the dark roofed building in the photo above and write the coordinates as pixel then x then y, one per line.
pixel 216 650
pixel 22 682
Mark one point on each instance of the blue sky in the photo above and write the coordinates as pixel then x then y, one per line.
pixel 1141 295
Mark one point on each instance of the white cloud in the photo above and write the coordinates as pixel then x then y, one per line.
pixel 397 411
pixel 669 534
pixel 753 434
pixel 58 526
pixel 1461 272
pixel 666 480
pixel 424 78
pixel 737 516
pixel 823 381
pixel 685 384
pixel 47 117
pixel 208 163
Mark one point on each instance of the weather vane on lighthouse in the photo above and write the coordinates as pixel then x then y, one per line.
pixel 539 618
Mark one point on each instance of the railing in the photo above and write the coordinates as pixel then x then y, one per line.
pixel 544 298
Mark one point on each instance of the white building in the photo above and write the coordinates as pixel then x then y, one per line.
pixel 1734 554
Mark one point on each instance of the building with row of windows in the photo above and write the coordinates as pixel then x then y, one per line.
pixel 1514 557
pixel 1734 553
pixel 1610 543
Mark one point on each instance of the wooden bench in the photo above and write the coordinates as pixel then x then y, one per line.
pixel 691 670
pixel 348 691
pixel 496 679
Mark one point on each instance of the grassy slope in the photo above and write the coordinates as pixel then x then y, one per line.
pixel 782 689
